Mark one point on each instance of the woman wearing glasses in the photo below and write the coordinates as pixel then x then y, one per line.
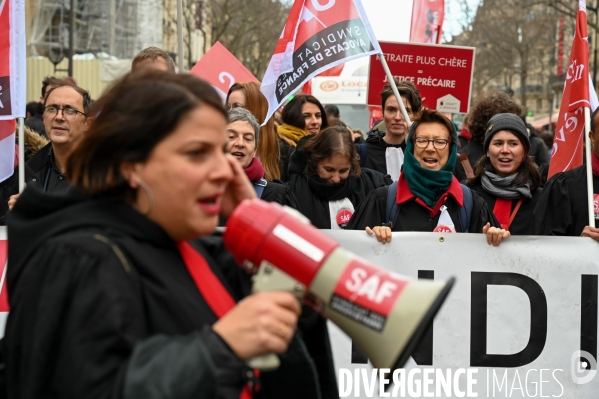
pixel 427 196
pixel 506 177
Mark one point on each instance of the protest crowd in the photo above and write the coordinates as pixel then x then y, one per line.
pixel 119 285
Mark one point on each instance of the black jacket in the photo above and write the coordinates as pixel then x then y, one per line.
pixel 285 151
pixel 41 171
pixel 562 209
pixel 311 204
pixel 279 192
pixel 523 223
pixel 413 216
pixel 102 305
pixel 475 152
pixel 376 148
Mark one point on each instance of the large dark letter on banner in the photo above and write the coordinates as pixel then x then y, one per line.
pixel 478 320
pixel 5 104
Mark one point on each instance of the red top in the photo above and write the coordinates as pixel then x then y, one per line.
pixel 404 194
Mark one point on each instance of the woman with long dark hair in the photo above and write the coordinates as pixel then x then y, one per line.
pixel 327 180
pixel 506 177
pixel 108 295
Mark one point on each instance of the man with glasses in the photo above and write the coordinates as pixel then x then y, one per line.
pixel 65 119
pixel 386 142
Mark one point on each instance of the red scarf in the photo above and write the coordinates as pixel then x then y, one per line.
pixel 254 170
pixel 502 211
pixel 211 288
pixel 595 163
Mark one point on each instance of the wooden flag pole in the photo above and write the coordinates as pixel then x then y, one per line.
pixel 404 113
pixel 590 196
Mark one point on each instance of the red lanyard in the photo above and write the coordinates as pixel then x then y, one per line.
pixel 211 288
pixel 502 209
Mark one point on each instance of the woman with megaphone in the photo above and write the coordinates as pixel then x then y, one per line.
pixel 427 196
pixel 110 299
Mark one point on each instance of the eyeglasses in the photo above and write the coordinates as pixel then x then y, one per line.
pixel 235 105
pixel 67 112
pixel 438 144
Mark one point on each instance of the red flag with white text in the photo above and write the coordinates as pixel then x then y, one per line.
pixel 316 37
pixel 427 21
pixel 567 152
pixel 12 79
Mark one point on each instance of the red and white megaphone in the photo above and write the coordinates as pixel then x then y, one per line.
pixel 384 313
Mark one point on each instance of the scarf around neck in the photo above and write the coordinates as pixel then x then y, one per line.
pixel 292 133
pixel 332 192
pixel 504 187
pixel 428 185
pixel 255 170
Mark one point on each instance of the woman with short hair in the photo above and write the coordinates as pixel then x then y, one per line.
pixel 427 196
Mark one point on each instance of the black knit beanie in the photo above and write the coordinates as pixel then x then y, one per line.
pixel 509 122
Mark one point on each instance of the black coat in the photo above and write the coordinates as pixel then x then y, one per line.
pixel 102 305
pixel 311 204
pixel 41 171
pixel 277 191
pixel 415 217
pixel 475 152
pixel 562 209
pixel 523 223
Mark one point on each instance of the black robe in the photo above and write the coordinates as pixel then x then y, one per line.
pixel 415 217
pixel 279 192
pixel 102 305
pixel 562 209
pixel 311 204
pixel 523 223
pixel 376 148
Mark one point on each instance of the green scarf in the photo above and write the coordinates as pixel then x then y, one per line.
pixel 292 133
pixel 428 185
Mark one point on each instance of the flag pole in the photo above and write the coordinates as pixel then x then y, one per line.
pixel 404 113
pixel 20 124
pixel 180 34
pixel 590 196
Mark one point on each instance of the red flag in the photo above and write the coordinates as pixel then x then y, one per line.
pixel 567 152
pixel 221 69
pixel 315 38
pixel 427 20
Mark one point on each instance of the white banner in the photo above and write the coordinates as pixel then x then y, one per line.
pixel 340 89
pixel 512 327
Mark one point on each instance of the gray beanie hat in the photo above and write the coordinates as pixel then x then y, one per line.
pixel 510 122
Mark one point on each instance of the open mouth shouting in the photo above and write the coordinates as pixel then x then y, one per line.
pixel 211 204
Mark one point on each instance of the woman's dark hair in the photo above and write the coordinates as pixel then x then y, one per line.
pixel 432 116
pixel 329 142
pixel 133 116
pixel 527 171
pixel 486 106
pixel 292 112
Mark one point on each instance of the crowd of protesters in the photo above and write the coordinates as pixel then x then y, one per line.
pixel 123 197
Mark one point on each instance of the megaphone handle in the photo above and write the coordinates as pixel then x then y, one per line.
pixel 269 278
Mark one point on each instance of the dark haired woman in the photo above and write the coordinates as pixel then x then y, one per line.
pixel 326 178
pixel 428 197
pixel 109 298
pixel 506 177
pixel 302 116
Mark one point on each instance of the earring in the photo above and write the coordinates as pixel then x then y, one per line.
pixel 149 194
